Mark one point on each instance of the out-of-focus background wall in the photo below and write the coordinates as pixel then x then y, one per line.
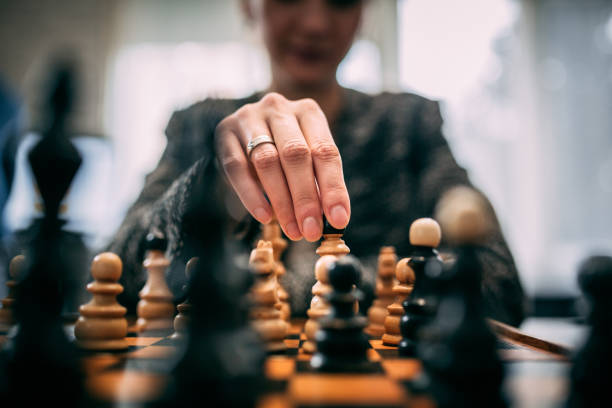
pixel 526 88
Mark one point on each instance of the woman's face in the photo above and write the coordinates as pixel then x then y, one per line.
pixel 307 39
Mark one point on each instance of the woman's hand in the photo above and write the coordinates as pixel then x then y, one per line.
pixel 300 173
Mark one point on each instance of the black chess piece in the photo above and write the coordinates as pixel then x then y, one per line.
pixel 341 342
pixel 40 357
pixel 222 357
pixel 420 306
pixel 590 378
pixel 461 364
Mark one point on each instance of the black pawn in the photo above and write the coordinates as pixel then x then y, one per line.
pixel 461 364
pixel 458 349
pixel 341 342
pixel 420 306
pixel 590 377
pixel 222 357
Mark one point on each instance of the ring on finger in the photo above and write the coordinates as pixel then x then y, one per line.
pixel 256 141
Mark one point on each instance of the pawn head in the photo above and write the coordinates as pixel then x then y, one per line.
pixel 106 267
pixel 191 267
pixel 262 257
pixel 425 232
pixel 344 273
pixel 156 241
pixel 16 266
pixel 464 216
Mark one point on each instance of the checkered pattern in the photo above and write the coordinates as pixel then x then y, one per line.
pixel 136 374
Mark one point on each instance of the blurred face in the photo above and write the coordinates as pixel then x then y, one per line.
pixel 307 39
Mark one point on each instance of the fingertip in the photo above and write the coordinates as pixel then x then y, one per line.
pixel 338 216
pixel 292 231
pixel 312 228
pixel 262 215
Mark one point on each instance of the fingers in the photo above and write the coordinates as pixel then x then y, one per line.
pixel 266 162
pixel 301 173
pixel 237 171
pixel 296 162
pixel 326 161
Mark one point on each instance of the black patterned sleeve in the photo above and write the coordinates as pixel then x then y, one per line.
pixel 502 290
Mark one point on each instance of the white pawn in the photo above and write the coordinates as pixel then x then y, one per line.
pixel 387 260
pixel 266 317
pixel 102 324
pixel 155 309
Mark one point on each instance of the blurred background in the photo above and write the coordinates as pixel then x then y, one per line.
pixel 525 86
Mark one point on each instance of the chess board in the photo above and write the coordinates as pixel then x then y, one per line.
pixel 136 375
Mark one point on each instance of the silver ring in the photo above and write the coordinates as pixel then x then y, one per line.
pixel 256 141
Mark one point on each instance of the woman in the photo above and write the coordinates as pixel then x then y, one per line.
pixel 291 143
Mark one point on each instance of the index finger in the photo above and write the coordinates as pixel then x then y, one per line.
pixel 327 162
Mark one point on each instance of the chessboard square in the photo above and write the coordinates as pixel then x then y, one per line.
pixel 274 400
pixel 389 353
pixel 372 355
pixel 157 352
pixel 126 386
pixel 142 341
pixel 303 356
pixel 404 369
pixel 93 364
pixel 347 390
pixel 292 344
pixel 378 345
pixel 279 367
pixel 296 326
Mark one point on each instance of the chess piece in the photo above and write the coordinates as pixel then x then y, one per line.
pixel 15 269
pixel 402 290
pixel 155 309
pixel 420 307
pixel 387 259
pixel 458 348
pixel 40 361
pixel 266 316
pixel 272 233
pixel 341 342
pixel 332 247
pixel 102 324
pixel 181 321
pixel 590 379
pixel 222 360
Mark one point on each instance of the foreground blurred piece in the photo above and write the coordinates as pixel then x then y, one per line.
pixel 222 357
pixel 591 379
pixel 40 357
pixel 462 367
